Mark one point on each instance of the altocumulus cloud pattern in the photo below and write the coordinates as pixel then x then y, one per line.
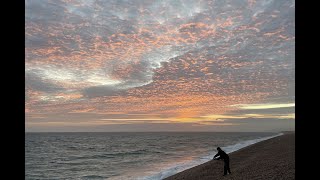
pixel 124 61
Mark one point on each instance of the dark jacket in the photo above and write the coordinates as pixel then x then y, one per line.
pixel 222 155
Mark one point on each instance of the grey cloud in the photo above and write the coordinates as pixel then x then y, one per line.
pixel 37 10
pixel 139 75
pixel 35 82
pixel 275 125
pixel 98 91
pixel 256 124
pixel 273 111
pixel 111 90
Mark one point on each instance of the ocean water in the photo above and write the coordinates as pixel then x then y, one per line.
pixel 122 156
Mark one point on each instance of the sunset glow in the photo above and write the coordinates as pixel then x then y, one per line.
pixel 98 63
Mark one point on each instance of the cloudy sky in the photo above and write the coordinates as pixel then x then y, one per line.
pixel 159 65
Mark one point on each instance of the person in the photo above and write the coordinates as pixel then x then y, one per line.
pixel 225 157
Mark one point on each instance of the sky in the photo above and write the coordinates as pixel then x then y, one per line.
pixel 159 65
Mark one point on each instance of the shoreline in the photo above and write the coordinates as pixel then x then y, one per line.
pixel 177 168
pixel 272 158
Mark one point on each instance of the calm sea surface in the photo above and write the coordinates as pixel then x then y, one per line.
pixel 113 156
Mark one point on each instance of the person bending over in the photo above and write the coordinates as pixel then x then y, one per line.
pixel 225 157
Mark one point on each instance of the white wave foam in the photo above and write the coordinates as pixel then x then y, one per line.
pixel 240 145
pixel 174 169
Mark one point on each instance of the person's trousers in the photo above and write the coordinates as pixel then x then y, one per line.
pixel 226 167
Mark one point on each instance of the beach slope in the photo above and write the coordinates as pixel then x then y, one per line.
pixel 270 159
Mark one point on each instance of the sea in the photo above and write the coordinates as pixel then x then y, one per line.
pixel 126 155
